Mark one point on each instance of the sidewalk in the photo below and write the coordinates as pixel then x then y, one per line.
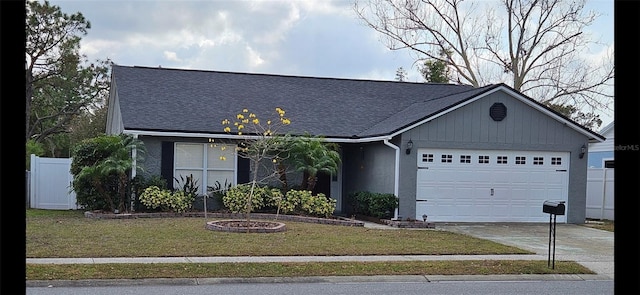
pixel 264 259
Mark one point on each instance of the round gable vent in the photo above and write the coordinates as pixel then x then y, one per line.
pixel 498 111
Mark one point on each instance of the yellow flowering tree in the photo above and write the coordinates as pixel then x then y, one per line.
pixel 261 143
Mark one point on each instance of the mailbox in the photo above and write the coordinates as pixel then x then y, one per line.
pixel 553 207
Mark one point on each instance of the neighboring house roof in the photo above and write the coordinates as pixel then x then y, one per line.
pixel 606 129
pixel 162 100
pixel 606 146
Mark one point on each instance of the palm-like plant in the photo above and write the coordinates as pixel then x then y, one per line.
pixel 313 155
pixel 106 167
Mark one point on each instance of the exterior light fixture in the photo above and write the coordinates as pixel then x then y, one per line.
pixel 583 149
pixel 424 217
pixel 409 146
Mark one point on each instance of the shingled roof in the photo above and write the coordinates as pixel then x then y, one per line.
pixel 196 101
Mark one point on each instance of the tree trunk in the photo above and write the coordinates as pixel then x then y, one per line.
pixel 282 172
pixel 29 95
pixel 311 182
pixel 122 187
pixel 305 180
pixel 250 198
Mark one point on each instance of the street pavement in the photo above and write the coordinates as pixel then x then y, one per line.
pixel 587 246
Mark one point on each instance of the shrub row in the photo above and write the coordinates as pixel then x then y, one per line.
pixel 378 205
pixel 154 197
pixel 293 201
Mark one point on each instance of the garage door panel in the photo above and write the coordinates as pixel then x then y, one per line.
pixel 483 176
pixel 501 177
pixel 554 178
pixel 520 178
pixel 521 194
pixel 464 194
pixel 482 189
pixel 520 210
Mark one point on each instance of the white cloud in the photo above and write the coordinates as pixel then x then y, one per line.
pixel 254 57
pixel 171 56
pixel 279 33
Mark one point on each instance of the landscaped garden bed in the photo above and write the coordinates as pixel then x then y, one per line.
pixel 220 215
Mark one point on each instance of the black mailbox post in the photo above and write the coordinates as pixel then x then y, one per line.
pixel 553 208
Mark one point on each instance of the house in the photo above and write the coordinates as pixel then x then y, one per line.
pixel 601 177
pixel 451 152
pixel 601 153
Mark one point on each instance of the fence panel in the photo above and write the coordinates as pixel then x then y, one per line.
pixel 50 184
pixel 600 193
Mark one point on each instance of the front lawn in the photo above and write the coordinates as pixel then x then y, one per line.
pixel 70 234
pixel 51 234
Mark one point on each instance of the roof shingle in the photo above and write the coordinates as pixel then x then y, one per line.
pixel 173 100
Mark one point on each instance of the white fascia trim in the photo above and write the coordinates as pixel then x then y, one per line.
pixel 241 137
pixel 512 93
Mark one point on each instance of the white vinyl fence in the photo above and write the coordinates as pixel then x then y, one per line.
pixel 600 191
pixel 50 184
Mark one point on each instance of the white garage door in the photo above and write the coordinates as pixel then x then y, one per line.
pixel 489 186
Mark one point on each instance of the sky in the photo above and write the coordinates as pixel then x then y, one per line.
pixel 285 37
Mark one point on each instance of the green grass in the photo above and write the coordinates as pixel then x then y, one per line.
pixel 72 235
pixel 52 234
pixel 296 269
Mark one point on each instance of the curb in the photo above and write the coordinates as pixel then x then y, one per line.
pixel 319 279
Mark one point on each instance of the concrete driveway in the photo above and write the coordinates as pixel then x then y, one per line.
pixel 592 248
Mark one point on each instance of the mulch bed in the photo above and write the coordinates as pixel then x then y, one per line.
pixel 398 223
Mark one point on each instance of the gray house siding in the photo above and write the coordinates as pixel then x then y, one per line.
pixel 160 155
pixel 471 127
pixel 367 167
pixel 152 160
pixel 114 116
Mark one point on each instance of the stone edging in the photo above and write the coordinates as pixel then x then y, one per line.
pixel 266 216
pixel 216 225
pixel 408 224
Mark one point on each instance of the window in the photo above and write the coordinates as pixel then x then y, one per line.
pixel 608 164
pixel 521 160
pixel 501 160
pixel 483 159
pixel 538 160
pixel 556 161
pixel 427 158
pixel 447 158
pixel 207 163
pixel 465 159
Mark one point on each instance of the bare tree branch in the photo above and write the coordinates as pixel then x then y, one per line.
pixel 539 47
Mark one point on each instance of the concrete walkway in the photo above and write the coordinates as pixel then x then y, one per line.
pixel 590 247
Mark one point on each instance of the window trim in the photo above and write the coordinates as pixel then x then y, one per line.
pixel 203 168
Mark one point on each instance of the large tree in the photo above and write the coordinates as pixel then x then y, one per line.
pixel 60 82
pixel 535 46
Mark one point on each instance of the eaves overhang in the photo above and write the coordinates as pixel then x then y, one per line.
pixel 242 137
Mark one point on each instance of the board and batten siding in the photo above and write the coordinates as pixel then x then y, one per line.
pixel 367 167
pixel 523 129
pixel 472 124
